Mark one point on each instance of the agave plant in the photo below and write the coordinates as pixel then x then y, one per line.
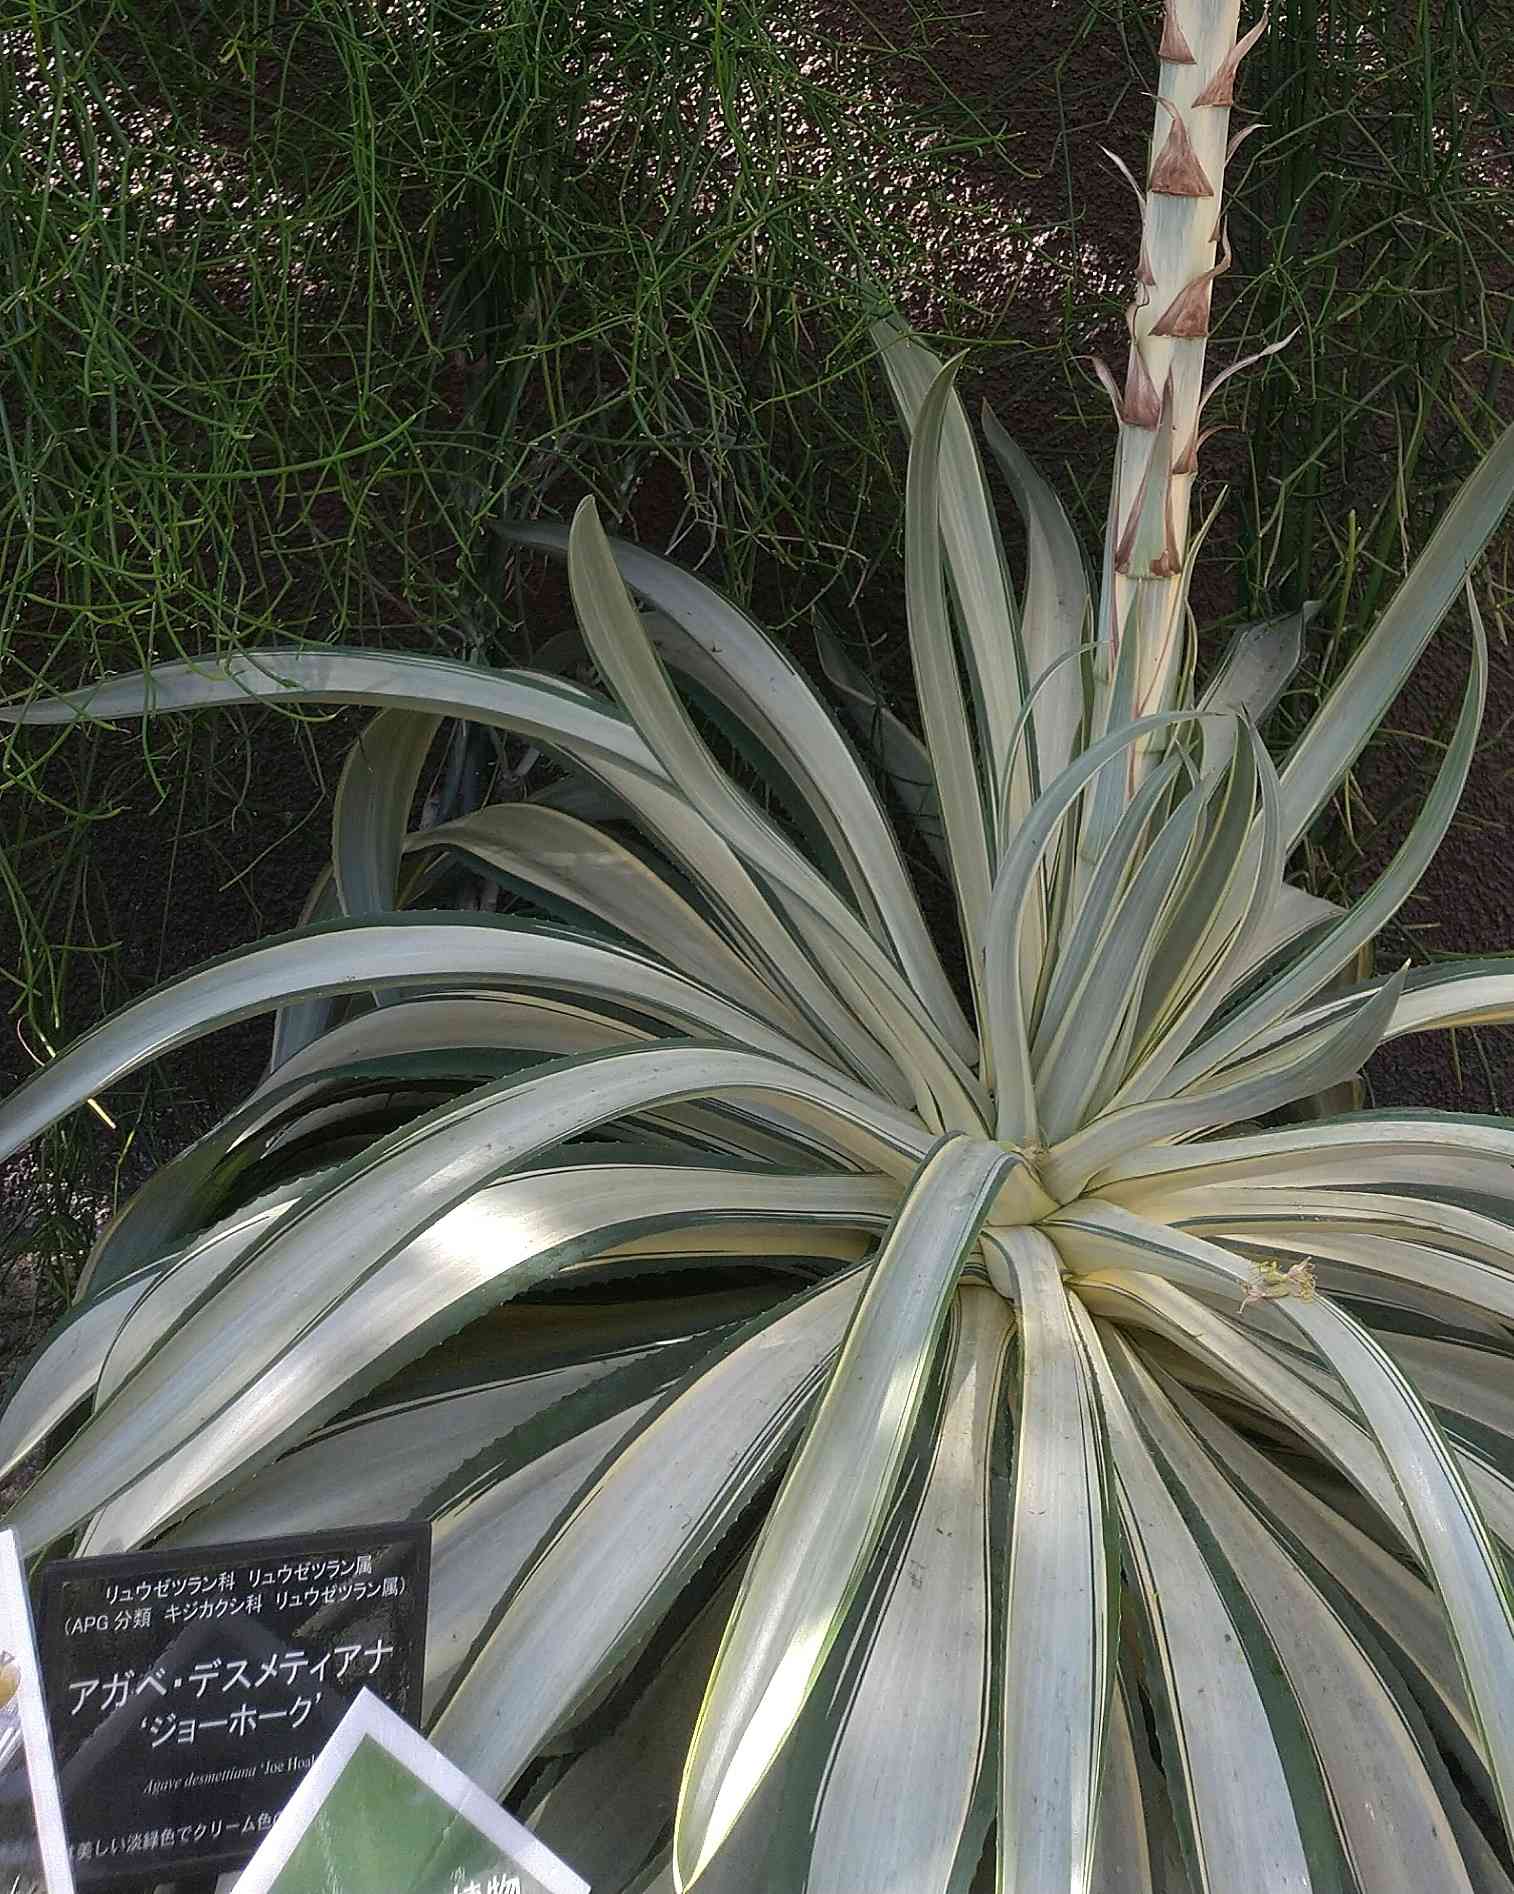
pixel 895 1413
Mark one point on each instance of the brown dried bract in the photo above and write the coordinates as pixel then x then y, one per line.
pixel 1221 88
pixel 1177 171
pixel 1174 47
pixel 1153 499
pixel 1187 315
pixel 1142 405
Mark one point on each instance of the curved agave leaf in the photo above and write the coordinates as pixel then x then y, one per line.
pixel 637 1531
pixel 897 1803
pixel 946 1096
pixel 1089 927
pixel 1370 682
pixel 591 733
pixel 613 1805
pixel 337 1238
pixel 1114 703
pixel 549 1028
pixel 1451 1374
pixel 1454 1253
pixel 1323 1058
pixel 1478 991
pixel 830 1510
pixel 1122 1857
pixel 203 1181
pixel 400 950
pixel 1006 1002
pixel 948 734
pixel 1449 1533
pixel 381 1463
pixel 1159 1802
pixel 302 1021
pixel 1468 993
pixel 1243 1364
pixel 1365 1148
pixel 1101 1015
pixel 718 704
pixel 1258 666
pixel 1063 1589
pixel 493 1513
pixel 1224 1762
pixel 1293 912
pixel 1402 1610
pixel 67 1368
pixel 1229 907
pixel 753 678
pixel 569 858
pixel 63 1371
pixel 903 759
pixel 943 1088
pixel 372 808
pixel 1366 918
pixel 1391 1826
pixel 568 1396
pixel 552 713
pixel 492 1246
pixel 755 926
pixel 481 1551
pixel 516 1022
pixel 969 536
pixel 833 1234
pixel 1057 616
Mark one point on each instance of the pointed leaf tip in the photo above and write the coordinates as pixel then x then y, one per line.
pixel 1188 460
pixel 1125 172
pixel 1111 387
pixel 1237 139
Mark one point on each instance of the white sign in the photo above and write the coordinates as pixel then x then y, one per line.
pixel 379 1807
pixel 33 1846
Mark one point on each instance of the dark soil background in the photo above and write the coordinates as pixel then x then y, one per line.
pixel 177 892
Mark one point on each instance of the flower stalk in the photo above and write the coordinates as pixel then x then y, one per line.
pixel 1183 249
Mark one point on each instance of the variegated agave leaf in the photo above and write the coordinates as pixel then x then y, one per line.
pixel 884 1434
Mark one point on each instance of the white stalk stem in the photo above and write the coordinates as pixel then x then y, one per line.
pixel 1180 253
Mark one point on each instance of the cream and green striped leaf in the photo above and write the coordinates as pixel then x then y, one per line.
pixel 830 1510
pixel 1063 1587
pixel 903 1804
